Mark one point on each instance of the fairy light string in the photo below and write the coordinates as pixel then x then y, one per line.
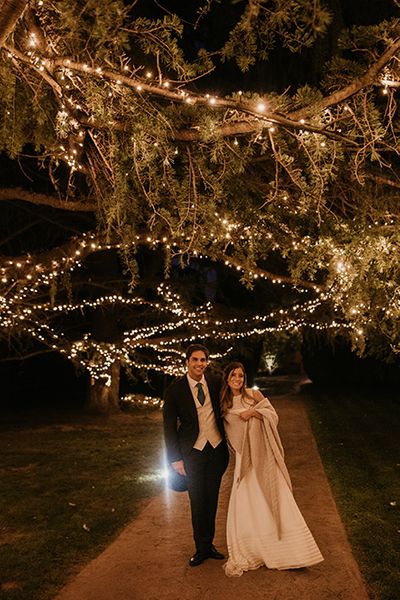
pixel 68 76
pixel 256 119
pixel 97 358
pixel 19 310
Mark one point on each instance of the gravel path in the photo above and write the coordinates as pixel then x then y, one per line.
pixel 149 560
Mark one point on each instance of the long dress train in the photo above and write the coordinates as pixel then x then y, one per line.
pixel 264 523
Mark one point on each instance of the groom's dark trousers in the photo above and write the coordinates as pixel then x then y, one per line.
pixel 204 470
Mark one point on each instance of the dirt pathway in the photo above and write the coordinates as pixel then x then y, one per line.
pixel 149 560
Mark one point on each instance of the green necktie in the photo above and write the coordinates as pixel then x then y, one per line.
pixel 200 393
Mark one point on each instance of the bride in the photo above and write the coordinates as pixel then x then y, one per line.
pixel 264 523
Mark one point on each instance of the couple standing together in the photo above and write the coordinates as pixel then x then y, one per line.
pixel 264 523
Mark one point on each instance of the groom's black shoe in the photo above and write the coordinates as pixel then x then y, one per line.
pixel 213 553
pixel 198 558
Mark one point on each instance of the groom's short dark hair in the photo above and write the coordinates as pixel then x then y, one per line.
pixel 195 348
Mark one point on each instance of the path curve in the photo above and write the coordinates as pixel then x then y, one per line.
pixel 149 559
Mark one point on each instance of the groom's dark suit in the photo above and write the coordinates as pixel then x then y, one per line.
pixel 204 468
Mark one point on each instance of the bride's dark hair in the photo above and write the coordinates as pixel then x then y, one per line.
pixel 226 397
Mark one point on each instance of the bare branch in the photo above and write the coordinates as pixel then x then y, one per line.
pixel 10 12
pixel 36 198
pixel 385 181
pixel 368 79
pixel 26 356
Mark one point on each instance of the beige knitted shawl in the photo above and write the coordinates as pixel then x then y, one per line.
pixel 260 447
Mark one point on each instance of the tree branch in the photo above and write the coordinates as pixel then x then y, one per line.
pixel 30 355
pixel 257 120
pixel 262 273
pixel 366 80
pixel 10 12
pixel 36 198
pixel 252 120
pixel 291 120
pixel 385 181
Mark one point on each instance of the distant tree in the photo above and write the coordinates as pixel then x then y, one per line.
pixel 120 107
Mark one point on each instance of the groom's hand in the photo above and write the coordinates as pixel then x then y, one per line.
pixel 179 467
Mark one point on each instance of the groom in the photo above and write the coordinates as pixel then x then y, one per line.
pixel 196 446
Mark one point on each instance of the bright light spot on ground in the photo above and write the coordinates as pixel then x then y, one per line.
pixel 152 476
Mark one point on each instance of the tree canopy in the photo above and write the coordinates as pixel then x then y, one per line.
pixel 164 123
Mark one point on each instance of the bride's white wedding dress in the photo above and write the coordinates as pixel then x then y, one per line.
pixel 264 523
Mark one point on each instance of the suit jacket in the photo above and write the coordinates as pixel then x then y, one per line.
pixel 181 424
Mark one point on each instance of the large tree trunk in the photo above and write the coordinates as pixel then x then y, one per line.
pixel 104 399
pixel 105 327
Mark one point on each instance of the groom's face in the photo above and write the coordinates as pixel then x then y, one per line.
pixel 196 364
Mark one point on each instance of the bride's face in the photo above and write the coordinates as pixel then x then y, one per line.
pixel 236 380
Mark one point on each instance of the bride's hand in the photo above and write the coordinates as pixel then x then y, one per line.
pixel 245 415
